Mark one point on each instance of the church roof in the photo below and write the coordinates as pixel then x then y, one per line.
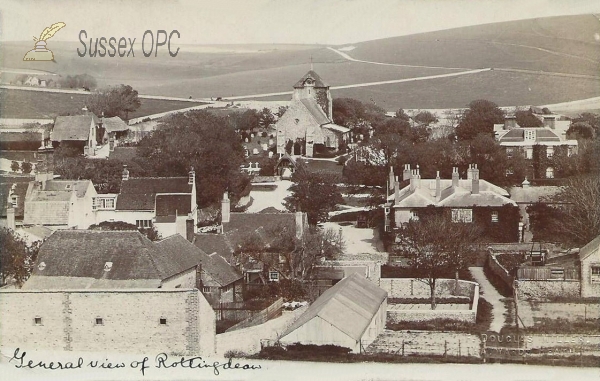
pixel 315 110
pixel 311 75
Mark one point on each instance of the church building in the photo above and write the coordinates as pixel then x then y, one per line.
pixel 307 126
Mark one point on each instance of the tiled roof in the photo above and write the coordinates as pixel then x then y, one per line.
pixel 214 243
pixel 220 270
pixel 173 205
pixel 139 193
pixel 315 110
pixel 489 195
pixel 25 136
pixel 79 257
pixel 349 306
pixel 74 127
pixel 518 135
pixel 314 76
pixel 591 248
pixel 51 206
pixel 114 124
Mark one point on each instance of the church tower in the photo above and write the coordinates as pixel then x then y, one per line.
pixel 312 86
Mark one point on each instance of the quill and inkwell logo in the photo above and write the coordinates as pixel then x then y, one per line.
pixel 41 52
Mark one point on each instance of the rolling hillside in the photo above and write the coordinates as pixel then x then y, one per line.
pixel 537 61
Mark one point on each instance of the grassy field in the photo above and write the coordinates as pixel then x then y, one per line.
pixel 34 104
pixel 563 44
pixel 558 44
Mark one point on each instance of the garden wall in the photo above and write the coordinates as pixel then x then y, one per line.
pixel 540 289
pixel 415 288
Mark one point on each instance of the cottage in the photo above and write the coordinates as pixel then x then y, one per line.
pixel 350 314
pixel 76 131
pixel 113 129
pixel 219 282
pixel 589 256
pixel 167 203
pixel 466 200
pixel 307 125
pixel 237 227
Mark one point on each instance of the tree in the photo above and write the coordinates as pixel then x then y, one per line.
pixel 26 167
pixel 316 194
pixel 435 246
pixel 480 117
pixel 579 221
pixel 201 140
pixel 14 166
pixel 16 257
pixel 426 118
pixel 391 137
pixel 490 158
pixel 281 110
pixel 266 118
pixel 114 101
pixel 527 119
pixel 105 174
pixel 580 130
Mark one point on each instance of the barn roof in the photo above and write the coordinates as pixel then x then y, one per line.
pixel 77 259
pixel 114 124
pixel 72 127
pixel 349 306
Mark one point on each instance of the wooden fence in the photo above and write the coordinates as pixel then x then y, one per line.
pixel 263 316
pixel 548 273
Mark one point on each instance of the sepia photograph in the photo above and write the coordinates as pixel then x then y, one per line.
pixel 300 190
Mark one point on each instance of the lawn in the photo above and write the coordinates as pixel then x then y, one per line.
pixel 42 105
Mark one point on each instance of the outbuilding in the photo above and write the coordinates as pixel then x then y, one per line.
pixel 350 314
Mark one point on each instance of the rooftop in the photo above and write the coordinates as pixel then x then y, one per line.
pixel 73 127
pixel 313 76
pixel 140 193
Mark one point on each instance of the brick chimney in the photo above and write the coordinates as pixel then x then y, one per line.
pixel 300 222
pixel 396 191
pixel 10 216
pixel 550 121
pixel 225 209
pixel 474 176
pixel 189 228
pixel 510 122
pixel 406 174
pixel 391 180
pixel 415 179
pixel 191 176
pixel 455 177
pixel 125 173
pixel 438 186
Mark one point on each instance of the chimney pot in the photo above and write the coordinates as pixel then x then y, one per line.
pixel 125 174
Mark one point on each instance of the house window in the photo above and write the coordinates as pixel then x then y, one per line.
pixel 509 152
pixel 94 203
pixel 143 223
pixel 37 320
pixel 595 274
pixel 273 276
pixel 509 172
pixel 105 203
pixel 414 215
pixel 462 215
pixel 162 321
pixel 494 216
pixel 549 173
pixel 205 289
pixel 99 321
pixel 549 151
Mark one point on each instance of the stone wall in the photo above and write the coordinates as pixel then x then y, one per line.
pixel 540 289
pixel 115 320
pixel 414 288
pixel 372 267
pixel 247 340
pixel 496 268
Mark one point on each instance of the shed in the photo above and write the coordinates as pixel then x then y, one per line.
pixel 350 314
pixel 589 255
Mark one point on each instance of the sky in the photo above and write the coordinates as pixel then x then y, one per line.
pixel 332 22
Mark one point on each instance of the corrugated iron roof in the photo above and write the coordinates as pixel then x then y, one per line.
pixel 349 306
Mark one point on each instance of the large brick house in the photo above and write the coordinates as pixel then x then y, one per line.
pixel 540 145
pixel 471 200
pixel 308 123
